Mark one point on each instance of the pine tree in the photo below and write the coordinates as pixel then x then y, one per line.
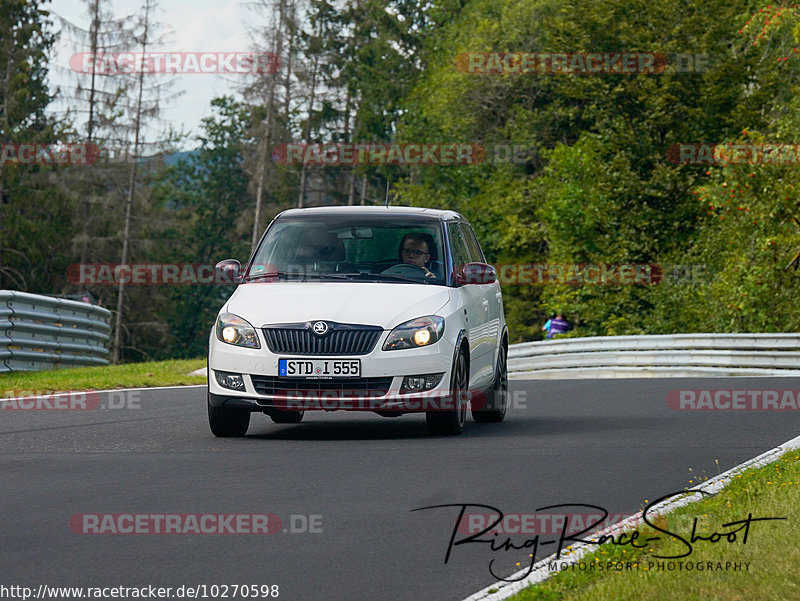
pixel 26 39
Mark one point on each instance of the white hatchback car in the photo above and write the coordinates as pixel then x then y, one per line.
pixel 385 309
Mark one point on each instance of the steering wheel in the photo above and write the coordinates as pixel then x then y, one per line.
pixel 407 270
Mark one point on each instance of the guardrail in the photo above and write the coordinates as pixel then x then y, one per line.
pixel 677 355
pixel 42 332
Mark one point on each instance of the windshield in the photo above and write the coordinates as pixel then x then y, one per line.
pixel 346 248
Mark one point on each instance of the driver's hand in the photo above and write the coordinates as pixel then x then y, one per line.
pixel 428 273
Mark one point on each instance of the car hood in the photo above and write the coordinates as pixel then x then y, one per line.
pixel 368 303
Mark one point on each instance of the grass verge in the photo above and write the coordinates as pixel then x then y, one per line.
pixel 771 550
pixel 130 375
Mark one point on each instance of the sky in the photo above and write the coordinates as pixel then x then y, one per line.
pixel 197 26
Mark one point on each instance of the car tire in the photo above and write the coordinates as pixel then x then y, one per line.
pixel 228 422
pixel 497 399
pixel 449 423
pixel 287 417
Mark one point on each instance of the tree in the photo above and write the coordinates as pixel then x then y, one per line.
pixel 25 42
pixel 97 101
pixel 262 93
pixel 143 107
pixel 210 200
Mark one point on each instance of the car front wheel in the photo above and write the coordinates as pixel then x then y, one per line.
pixel 452 422
pixel 228 422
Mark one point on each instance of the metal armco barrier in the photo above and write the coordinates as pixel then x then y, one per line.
pixel 42 332
pixel 676 355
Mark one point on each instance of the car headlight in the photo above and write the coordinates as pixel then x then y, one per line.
pixel 232 329
pixel 415 333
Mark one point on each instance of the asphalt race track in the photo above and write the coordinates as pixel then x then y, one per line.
pixel 611 443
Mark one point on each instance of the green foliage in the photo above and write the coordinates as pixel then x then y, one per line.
pixel 598 187
pixel 593 183
pixel 29 233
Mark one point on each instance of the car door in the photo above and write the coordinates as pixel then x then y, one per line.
pixel 493 299
pixel 472 299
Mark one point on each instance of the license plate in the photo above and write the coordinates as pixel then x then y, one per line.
pixel 319 368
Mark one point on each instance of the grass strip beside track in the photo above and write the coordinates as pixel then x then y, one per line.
pixel 173 372
pixel 772 549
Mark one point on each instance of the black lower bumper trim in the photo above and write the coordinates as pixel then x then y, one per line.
pixel 220 400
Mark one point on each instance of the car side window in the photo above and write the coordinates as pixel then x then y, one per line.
pixel 458 246
pixel 475 253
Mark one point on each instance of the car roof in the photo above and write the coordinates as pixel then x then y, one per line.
pixel 360 211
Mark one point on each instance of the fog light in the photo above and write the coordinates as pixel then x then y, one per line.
pixel 229 380
pixel 420 383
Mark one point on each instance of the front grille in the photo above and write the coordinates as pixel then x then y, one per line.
pixel 341 339
pixel 273 385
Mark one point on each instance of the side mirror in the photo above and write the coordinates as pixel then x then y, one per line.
pixel 228 271
pixel 479 273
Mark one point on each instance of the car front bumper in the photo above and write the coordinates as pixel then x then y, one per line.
pixel 378 388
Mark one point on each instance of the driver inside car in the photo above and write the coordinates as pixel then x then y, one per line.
pixel 415 249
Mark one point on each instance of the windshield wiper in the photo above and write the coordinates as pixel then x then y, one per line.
pixel 320 276
pixel 384 276
pixel 285 275
pixel 269 274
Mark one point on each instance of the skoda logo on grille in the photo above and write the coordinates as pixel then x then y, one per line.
pixel 320 328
